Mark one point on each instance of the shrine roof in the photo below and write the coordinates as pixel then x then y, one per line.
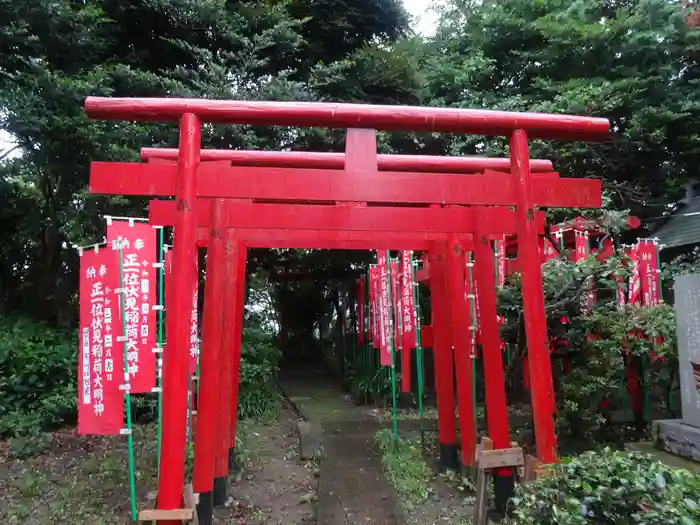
pixel 683 229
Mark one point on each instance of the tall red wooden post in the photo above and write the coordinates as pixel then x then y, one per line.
pixel 236 313
pixel 226 360
pixel 442 357
pixel 176 358
pixel 494 377
pixel 208 402
pixel 542 388
pixel 461 338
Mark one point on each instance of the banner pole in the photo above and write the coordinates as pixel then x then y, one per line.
pixel 127 394
pixel 473 328
pixel 160 339
pixel 419 351
pixel 390 305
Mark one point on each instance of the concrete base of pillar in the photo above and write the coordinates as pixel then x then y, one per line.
pixel 676 437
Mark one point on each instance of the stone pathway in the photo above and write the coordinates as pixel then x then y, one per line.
pixel 352 487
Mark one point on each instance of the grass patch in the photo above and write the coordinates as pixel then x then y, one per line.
pixel 405 468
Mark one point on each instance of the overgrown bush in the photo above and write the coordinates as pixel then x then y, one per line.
pixel 598 341
pixel 370 386
pixel 258 397
pixel 37 377
pixel 610 488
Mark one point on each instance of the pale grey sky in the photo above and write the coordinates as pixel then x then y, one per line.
pixel 425 17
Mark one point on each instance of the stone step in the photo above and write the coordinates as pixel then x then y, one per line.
pixel 647 447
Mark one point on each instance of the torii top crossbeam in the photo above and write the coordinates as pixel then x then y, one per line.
pixel 319 114
pixel 336 161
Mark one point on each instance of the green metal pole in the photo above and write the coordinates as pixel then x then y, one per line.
pixel 160 337
pixel 390 305
pixel 127 394
pixel 472 329
pixel 419 352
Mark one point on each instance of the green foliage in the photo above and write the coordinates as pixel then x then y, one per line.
pixel 599 340
pixel 405 468
pixel 37 377
pixel 245 50
pixel 29 446
pixel 615 488
pixel 634 62
pixel 371 385
pixel 258 397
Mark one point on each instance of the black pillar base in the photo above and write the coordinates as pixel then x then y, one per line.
pixel 205 508
pixel 503 488
pixel 220 491
pixel 232 460
pixel 449 457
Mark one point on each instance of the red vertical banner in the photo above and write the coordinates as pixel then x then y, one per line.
pixel 101 355
pixel 138 241
pixel 396 300
pixel 384 309
pixel 635 283
pixel 621 295
pixel 649 272
pixel 501 262
pixel 407 307
pixel 408 334
pixel 472 289
pixel 360 300
pixel 194 323
pixel 549 252
pixel 581 254
pixel 374 305
pixel 581 245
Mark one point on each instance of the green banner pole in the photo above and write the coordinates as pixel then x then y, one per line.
pixel 160 337
pixel 472 328
pixel 127 388
pixel 390 341
pixel 419 350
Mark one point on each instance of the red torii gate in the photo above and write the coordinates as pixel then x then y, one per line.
pixel 355 184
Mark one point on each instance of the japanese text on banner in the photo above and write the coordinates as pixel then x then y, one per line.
pixel 580 254
pixel 649 272
pixel 501 262
pixel 634 292
pixel 360 315
pixel 194 326
pixel 407 312
pixel 384 311
pixel 100 359
pixel 396 300
pixel 374 303
pixel 138 243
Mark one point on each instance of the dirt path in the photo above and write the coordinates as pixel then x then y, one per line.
pixel 352 487
pixel 276 488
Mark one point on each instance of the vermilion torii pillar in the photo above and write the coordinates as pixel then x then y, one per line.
pixel 187 183
pixel 212 356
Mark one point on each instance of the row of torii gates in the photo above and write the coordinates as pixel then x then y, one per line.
pixel 233 200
